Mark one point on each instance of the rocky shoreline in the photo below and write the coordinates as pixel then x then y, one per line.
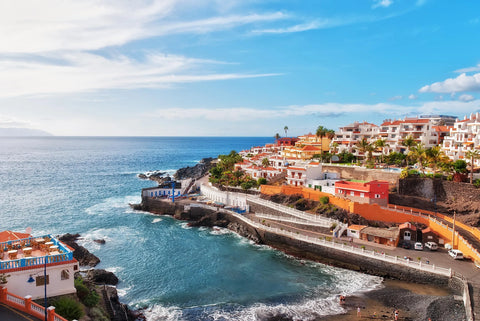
pixel 100 280
pixel 439 303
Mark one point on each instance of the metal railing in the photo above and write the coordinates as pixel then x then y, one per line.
pixel 294 212
pixel 348 248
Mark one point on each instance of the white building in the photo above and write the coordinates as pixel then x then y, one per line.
pixel 346 137
pixel 311 175
pixel 25 259
pixel 464 137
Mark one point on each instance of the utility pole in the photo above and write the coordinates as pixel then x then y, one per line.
pixel 453 230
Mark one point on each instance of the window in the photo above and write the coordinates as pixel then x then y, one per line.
pixel 353 232
pixel 40 280
pixel 64 275
pixel 352 193
pixel 362 194
pixel 377 195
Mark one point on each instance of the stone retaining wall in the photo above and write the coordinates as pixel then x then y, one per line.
pixel 364 174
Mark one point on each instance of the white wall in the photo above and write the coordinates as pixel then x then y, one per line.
pixel 227 198
pixel 18 285
pixel 353 233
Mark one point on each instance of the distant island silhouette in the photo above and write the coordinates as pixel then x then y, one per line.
pixel 11 132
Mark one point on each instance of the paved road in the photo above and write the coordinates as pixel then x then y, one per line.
pixel 10 314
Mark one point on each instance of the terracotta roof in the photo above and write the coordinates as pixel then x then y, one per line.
pixel 10 236
pixel 310 148
pixel 442 128
pixel 427 230
pixel 296 168
pixel 407 225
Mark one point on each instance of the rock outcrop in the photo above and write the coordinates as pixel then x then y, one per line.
pixel 197 171
pixel 101 276
pixel 83 256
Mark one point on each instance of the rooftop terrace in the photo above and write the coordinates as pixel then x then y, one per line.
pixel 33 251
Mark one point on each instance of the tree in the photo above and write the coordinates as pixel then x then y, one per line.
pixel 473 155
pixel 334 147
pixel 277 136
pixel 382 144
pixel 419 155
pixel 364 147
pixel 460 166
pixel 286 130
pixel 409 142
pixel 435 156
pixel 265 162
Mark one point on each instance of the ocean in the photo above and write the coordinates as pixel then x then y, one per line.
pixel 83 185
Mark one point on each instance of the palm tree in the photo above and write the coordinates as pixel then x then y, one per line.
pixel 321 132
pixel 381 143
pixel 334 147
pixel 363 146
pixel 472 154
pixel 435 156
pixel 286 130
pixel 418 153
pixel 409 142
pixel 265 162
pixel 277 136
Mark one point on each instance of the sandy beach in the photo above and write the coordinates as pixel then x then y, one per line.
pixel 413 302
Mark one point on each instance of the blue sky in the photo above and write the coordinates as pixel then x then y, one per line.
pixel 233 67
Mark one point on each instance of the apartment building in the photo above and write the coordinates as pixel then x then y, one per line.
pixel 464 137
pixel 346 137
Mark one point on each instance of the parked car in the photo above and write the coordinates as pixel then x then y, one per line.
pixel 432 246
pixel 418 246
pixel 405 245
pixel 456 254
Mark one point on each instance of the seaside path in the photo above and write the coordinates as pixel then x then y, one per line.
pixel 8 313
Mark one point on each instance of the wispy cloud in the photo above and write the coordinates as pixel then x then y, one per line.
pixel 466 97
pixel 382 3
pixel 312 25
pixel 321 110
pixel 461 83
pixel 396 98
pixel 469 69
pixel 80 72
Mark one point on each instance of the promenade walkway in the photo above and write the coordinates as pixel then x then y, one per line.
pixel 8 313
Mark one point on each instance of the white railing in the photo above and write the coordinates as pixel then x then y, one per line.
pixel 227 198
pixel 14 299
pixel 348 248
pixel 290 220
pixel 294 212
pixel 38 309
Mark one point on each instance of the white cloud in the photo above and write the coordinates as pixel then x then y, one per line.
pixel 395 98
pixel 79 72
pixel 469 69
pixel 317 24
pixel 382 3
pixel 322 110
pixel 466 97
pixel 459 84
pixel 12 122
pixel 412 97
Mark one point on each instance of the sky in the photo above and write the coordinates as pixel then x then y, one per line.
pixel 233 67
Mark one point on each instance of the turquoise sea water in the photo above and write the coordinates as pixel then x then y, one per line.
pixel 83 185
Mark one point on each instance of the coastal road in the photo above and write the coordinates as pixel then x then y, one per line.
pixel 8 313
pixel 439 258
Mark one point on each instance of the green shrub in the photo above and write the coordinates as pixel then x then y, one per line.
pixel 82 290
pixel 262 181
pixel 98 314
pixel 91 299
pixel 68 308
pixel 324 200
pixel 476 183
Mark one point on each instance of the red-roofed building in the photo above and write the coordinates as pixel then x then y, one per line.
pixel 408 233
pixel 429 236
pixel 23 258
pixel 11 236
pixel 346 137
pixel 374 192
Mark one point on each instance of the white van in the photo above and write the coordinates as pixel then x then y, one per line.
pixel 432 246
pixel 456 254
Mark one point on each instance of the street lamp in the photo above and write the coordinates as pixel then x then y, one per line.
pixel 31 280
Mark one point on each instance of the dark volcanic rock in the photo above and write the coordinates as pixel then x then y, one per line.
pixel 83 256
pixel 102 276
pixel 100 241
pixel 197 171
